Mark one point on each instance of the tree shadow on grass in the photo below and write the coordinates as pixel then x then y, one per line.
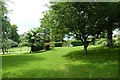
pixel 100 62
pixel 95 55
pixel 18 60
pixel 92 70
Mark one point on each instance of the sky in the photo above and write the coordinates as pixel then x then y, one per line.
pixel 26 14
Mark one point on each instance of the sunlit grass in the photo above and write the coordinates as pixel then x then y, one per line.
pixel 64 62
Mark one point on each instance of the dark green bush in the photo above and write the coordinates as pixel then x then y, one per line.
pixel 76 43
pixel 58 44
pixel 36 48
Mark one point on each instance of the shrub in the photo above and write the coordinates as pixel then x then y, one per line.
pixel 117 43
pixel 58 44
pixel 102 42
pixel 36 47
pixel 76 43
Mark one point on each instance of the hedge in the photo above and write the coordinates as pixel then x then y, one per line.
pixel 58 44
pixel 76 43
pixel 36 48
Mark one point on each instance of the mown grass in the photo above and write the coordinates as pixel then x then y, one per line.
pixel 64 62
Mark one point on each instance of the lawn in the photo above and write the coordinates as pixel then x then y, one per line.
pixel 62 62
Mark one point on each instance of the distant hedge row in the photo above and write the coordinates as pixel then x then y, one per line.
pixel 74 43
pixel 58 44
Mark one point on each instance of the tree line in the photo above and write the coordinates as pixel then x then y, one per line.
pixel 10 37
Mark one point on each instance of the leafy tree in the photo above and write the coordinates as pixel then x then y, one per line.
pixel 5 27
pixel 35 39
pixel 55 33
pixel 13 33
pixel 77 18
pixel 109 13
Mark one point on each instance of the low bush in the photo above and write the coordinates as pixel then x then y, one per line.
pixel 102 42
pixel 76 43
pixel 58 44
pixel 36 48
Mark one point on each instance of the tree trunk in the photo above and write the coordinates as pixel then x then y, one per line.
pixel 3 51
pixel 85 48
pixel 109 38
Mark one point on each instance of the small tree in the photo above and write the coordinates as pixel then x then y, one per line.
pixel 35 38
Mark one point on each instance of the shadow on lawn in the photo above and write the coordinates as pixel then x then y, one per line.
pixel 18 60
pixel 95 55
pixel 100 62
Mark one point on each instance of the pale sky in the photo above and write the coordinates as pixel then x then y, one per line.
pixel 26 14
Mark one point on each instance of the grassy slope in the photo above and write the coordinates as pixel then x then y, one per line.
pixel 63 62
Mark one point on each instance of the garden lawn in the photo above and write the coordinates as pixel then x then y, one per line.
pixel 62 62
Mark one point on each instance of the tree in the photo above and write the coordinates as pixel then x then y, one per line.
pixel 109 13
pixel 5 27
pixel 35 39
pixel 48 24
pixel 13 33
pixel 77 18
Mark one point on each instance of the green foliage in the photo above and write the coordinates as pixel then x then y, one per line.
pixel 76 43
pixel 35 39
pixel 13 33
pixel 101 41
pixel 117 43
pixel 58 44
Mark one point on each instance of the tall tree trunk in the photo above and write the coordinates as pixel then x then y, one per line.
pixel 3 51
pixel 85 49
pixel 109 38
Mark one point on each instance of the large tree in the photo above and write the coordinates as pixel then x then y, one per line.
pixel 110 15
pixel 77 18
pixel 5 27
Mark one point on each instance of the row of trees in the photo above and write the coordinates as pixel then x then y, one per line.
pixel 82 20
pixel 9 33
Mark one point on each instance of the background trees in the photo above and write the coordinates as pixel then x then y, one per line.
pixel 13 33
pixel 9 32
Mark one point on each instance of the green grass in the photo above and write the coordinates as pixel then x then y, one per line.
pixel 62 62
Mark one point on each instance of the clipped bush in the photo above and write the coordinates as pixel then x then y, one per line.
pixel 36 47
pixel 58 44
pixel 76 43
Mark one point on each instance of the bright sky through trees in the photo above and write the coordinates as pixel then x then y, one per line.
pixel 26 13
